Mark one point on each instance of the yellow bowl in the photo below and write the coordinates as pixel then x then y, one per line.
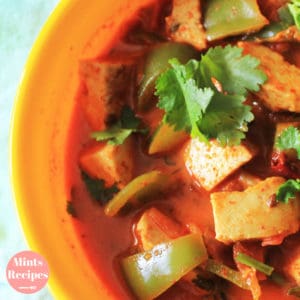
pixel 77 29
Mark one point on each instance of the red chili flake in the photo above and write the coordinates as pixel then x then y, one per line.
pixel 281 165
pixel 272 202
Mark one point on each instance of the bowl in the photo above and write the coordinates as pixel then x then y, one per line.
pixel 45 100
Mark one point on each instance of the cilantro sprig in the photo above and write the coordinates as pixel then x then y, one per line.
pixel 121 130
pixel 288 190
pixel 193 103
pixel 289 139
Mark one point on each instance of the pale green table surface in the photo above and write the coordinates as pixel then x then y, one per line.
pixel 20 23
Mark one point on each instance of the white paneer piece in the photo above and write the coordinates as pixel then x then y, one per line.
pixel 154 228
pixel 281 91
pixel 114 163
pixel 253 213
pixel 107 90
pixel 184 24
pixel 209 164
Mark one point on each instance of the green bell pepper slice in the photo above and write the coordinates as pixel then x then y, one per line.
pixel 232 17
pixel 152 272
pixel 165 139
pixel 227 273
pixel 139 187
pixel 269 32
pixel 254 263
pixel 157 61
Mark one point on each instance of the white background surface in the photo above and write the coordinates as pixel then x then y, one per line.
pixel 20 23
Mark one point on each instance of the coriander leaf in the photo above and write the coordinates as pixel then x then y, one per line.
pixel 294 7
pixel 183 102
pixel 289 139
pixel 191 101
pixel 237 73
pixel 288 190
pixel 204 97
pixel 123 128
pixel 226 119
pixel 98 190
pixel 115 135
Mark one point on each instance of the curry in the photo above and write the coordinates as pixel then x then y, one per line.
pixel 184 164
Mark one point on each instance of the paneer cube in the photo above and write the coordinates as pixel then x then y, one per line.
pixel 252 214
pixel 108 88
pixel 113 163
pixel 154 227
pixel 211 163
pixel 279 92
pixel 184 24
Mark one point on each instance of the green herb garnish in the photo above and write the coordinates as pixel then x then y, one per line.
pixel 98 190
pixel 289 139
pixel 195 103
pixel 288 190
pixel 121 130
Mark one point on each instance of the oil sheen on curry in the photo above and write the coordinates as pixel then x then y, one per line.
pixel 185 153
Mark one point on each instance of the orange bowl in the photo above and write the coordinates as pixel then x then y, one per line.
pixel 45 100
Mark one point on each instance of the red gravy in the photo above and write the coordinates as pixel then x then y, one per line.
pixel 107 239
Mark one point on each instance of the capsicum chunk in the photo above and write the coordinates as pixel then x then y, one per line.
pixel 157 61
pixel 152 272
pixel 139 187
pixel 227 273
pixel 232 17
pixel 166 138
